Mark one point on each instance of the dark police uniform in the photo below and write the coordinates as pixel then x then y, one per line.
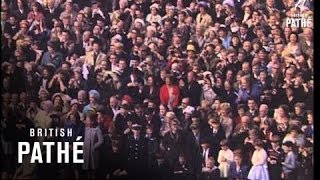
pixel 137 155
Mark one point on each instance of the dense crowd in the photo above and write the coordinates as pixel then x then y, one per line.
pixel 160 89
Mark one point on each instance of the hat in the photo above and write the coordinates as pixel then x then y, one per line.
pixel 136 126
pixel 191 47
pixel 288 144
pixel 95 94
pixel 42 90
pixel 56 95
pixel 139 21
pixel 73 102
pixel 203 4
pixel 118 45
pixel 117 37
pixel 154 6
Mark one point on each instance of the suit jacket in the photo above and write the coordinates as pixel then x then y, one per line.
pixel 154 95
pixel 241 174
pixel 89 58
pixel 20 15
pixel 213 175
pixel 304 46
pixel 49 16
pixel 290 163
pixel 194 93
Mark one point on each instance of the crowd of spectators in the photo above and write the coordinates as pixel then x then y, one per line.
pixel 160 89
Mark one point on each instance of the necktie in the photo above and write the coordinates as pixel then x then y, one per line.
pixel 95 55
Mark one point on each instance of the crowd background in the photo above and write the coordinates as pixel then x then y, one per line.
pixel 160 89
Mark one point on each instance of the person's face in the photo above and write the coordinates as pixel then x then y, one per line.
pixel 243 30
pixel 224 147
pixel 263 111
pixel 235 40
pixel 294 133
pixel 310 118
pixel 122 65
pixel 257 147
pixel 50 49
pixel 190 77
pixel 241 112
pixel 307 34
pixel 34 8
pixel 209 164
pixel 113 102
pixel 244 120
pixel 244 83
pixel 150 81
pixel 247 46
pixel 246 68
pixel 74 108
pixel 185 103
pixel 88 122
pixel 282 112
pixel 293 38
pixel 285 149
pixel 237 160
pixel 174 126
pixel 168 82
pixel 162 110
pixel 12 20
pixel 97 30
pixel 92 99
pixel 297 110
pixel 182 160
pixel 181 18
pixel 57 100
pixel 227 86
pixel 262 55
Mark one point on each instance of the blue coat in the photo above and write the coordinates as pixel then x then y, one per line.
pixel 56 60
pixel 241 174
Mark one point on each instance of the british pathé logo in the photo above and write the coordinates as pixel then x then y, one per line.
pixel 298 19
pixel 62 148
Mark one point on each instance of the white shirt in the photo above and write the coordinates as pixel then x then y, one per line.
pixel 227 154
pixel 205 154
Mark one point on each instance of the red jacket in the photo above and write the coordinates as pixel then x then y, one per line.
pixel 164 95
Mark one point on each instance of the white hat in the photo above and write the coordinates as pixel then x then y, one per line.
pixel 139 21
pixel 154 6
pixel 117 37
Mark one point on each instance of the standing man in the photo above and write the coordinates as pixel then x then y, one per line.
pixel 136 149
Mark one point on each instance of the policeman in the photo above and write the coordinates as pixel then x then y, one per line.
pixel 276 156
pixel 136 149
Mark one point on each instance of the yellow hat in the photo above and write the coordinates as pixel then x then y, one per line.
pixel 190 47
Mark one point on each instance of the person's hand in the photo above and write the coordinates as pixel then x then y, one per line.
pixel 127 131
pixel 123 173
pixel 116 172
